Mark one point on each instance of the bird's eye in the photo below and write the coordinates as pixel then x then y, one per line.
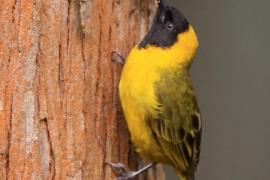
pixel 170 26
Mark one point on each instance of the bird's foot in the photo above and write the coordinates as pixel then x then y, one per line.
pixel 118 57
pixel 122 173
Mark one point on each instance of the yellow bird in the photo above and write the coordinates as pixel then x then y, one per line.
pixel 157 96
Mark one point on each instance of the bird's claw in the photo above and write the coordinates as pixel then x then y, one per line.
pixel 121 172
pixel 118 168
pixel 118 57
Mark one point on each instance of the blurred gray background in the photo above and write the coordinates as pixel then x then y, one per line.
pixel 232 81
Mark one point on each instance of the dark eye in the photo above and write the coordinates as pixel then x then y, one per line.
pixel 170 26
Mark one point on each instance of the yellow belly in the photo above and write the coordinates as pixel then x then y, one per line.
pixel 138 99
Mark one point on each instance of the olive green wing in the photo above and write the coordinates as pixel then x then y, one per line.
pixel 176 122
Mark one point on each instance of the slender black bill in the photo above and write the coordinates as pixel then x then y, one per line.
pixel 161 3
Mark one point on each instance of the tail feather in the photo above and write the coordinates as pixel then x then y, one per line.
pixel 182 177
pixel 185 176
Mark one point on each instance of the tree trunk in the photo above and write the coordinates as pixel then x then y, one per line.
pixel 60 116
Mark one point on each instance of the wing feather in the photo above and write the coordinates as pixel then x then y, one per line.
pixel 176 121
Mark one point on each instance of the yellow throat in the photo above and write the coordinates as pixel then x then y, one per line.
pixel 181 53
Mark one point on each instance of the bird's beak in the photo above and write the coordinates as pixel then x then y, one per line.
pixel 161 4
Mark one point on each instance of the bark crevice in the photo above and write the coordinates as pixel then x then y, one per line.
pixel 9 133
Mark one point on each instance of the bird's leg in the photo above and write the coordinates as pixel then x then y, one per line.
pixel 122 174
pixel 118 57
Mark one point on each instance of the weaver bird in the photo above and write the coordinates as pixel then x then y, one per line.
pixel 157 96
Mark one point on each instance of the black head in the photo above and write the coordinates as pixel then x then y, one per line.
pixel 167 24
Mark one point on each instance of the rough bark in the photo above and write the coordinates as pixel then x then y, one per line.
pixel 60 116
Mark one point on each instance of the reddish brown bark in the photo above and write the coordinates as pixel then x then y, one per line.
pixel 60 116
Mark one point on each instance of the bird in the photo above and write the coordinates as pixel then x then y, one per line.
pixel 157 96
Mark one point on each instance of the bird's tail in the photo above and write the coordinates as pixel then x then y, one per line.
pixel 182 177
pixel 185 176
